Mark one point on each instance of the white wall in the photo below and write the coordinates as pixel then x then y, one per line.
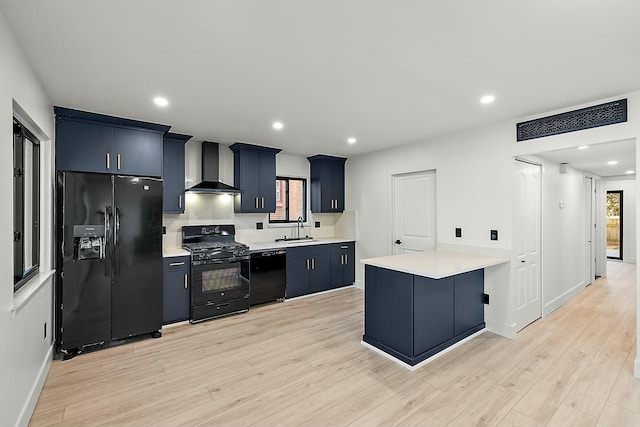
pixel 563 244
pixel 25 355
pixel 628 187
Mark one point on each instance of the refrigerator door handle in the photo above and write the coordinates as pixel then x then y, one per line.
pixel 116 243
pixel 107 243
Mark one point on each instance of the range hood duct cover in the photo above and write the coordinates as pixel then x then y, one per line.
pixel 210 172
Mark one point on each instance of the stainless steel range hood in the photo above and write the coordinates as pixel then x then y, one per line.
pixel 210 173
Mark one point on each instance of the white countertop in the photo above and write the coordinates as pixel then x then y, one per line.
pixel 435 264
pixel 261 246
pixel 170 252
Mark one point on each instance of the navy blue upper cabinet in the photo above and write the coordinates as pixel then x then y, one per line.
pixel 254 172
pixel 173 173
pixel 327 183
pixel 89 142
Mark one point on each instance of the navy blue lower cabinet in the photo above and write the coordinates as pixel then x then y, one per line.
pixel 343 269
pixel 176 289
pixel 308 270
pixel 388 311
pixel 414 317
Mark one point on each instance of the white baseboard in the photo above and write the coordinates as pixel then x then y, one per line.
pixel 359 284
pixel 36 389
pixel 555 304
pixel 636 367
pixel 502 329
pixel 424 362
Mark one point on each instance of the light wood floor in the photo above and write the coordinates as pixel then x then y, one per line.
pixel 302 363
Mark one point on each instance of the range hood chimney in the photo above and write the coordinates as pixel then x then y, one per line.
pixel 210 173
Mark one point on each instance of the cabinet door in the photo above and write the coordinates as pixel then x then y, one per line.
pixel 267 182
pixel 350 265
pixel 176 292
pixel 247 177
pixel 433 312
pixel 320 273
pixel 469 306
pixel 173 176
pixel 337 269
pixel 137 152
pixel 388 308
pixel 338 186
pixel 327 198
pixel 83 147
pixel 297 283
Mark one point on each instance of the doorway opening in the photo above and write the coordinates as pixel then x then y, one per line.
pixel 614 224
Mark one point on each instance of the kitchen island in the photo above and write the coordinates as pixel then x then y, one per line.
pixel 419 304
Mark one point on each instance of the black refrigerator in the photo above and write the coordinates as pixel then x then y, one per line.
pixel 109 266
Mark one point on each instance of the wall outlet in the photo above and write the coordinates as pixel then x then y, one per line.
pixel 164 229
pixel 458 232
pixel 485 298
pixel 317 224
pixel 494 234
pixel 259 226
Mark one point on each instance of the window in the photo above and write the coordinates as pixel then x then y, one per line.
pixel 291 200
pixel 26 205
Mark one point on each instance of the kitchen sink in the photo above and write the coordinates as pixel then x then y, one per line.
pixel 295 239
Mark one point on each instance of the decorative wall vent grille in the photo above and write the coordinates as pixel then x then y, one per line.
pixel 571 121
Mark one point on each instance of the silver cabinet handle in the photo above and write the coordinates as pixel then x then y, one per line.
pixel 108 161
pixel 308 264
pixel 331 203
pixel 262 202
pixel 313 263
pixel 174 264
pixel 118 160
pixel 180 201
pixel 342 259
pixel 256 203
pixel 186 281
pixel 346 259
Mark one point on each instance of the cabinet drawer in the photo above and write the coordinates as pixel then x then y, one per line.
pixel 342 247
pixel 177 263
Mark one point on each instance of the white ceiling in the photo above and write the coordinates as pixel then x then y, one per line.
pixel 387 73
pixel 594 159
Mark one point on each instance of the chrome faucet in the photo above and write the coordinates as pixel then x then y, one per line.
pixel 300 225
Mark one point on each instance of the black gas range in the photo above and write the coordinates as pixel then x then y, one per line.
pixel 220 271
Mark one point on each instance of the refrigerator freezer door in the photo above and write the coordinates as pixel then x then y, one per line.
pixel 85 289
pixel 137 256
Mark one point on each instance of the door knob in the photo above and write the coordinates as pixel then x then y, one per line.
pixel 397 242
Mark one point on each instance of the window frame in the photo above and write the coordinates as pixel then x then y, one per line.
pixel 20 134
pixel 287 179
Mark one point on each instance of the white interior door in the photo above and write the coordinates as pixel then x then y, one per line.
pixel 589 247
pixel 527 243
pixel 414 212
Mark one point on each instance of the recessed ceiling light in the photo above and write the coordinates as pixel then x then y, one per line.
pixel 351 140
pixel 487 99
pixel 278 125
pixel 612 162
pixel 630 172
pixel 583 147
pixel 160 101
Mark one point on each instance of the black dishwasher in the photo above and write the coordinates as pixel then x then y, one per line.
pixel 268 276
